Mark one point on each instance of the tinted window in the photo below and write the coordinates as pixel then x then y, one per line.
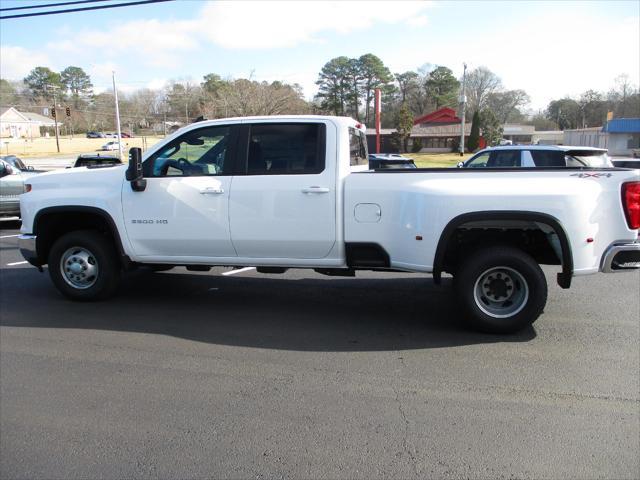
pixel 504 159
pixel 195 153
pixel 357 148
pixel 286 149
pixel 548 158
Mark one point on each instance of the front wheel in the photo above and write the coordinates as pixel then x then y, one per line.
pixel 501 290
pixel 83 265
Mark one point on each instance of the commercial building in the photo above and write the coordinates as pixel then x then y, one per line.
pixel 621 136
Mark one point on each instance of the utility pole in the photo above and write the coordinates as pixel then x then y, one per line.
pixel 115 95
pixel 463 100
pixel 378 102
pixel 55 115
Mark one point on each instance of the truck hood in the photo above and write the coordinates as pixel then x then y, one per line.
pixel 79 177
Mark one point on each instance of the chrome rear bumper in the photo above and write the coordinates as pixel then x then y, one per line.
pixel 27 246
pixel 621 257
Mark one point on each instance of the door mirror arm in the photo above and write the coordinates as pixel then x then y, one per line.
pixel 134 171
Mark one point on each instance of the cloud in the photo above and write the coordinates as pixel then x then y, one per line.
pixel 17 62
pixel 419 21
pixel 280 24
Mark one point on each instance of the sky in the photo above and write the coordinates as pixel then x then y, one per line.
pixel 549 49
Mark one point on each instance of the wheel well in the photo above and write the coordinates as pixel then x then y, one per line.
pixel 50 225
pixel 539 235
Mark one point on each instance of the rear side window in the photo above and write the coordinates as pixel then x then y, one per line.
pixel 548 158
pixel 357 148
pixel 286 149
pixel 504 159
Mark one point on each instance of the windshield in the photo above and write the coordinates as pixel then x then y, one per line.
pixel 15 162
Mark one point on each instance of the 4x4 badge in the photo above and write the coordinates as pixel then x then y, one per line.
pixel 594 175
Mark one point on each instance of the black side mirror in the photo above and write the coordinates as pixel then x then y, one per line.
pixel 3 170
pixel 134 171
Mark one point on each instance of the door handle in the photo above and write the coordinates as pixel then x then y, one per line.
pixel 315 189
pixel 212 191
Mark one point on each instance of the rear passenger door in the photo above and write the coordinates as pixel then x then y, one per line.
pixel 283 198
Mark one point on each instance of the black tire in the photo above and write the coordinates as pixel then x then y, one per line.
pixel 89 250
pixel 500 289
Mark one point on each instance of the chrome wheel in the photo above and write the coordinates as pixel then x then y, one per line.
pixel 501 292
pixel 79 267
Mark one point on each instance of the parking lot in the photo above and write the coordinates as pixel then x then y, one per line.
pixel 237 374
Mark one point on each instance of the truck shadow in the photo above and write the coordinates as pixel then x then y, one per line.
pixel 309 314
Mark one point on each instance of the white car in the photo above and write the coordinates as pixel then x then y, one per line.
pixel 113 146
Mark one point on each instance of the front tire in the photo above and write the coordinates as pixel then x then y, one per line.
pixel 83 265
pixel 501 290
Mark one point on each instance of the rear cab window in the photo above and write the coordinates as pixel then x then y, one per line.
pixel 358 155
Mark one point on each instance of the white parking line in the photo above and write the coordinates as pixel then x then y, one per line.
pixel 240 270
pixel 16 263
pixel 9 236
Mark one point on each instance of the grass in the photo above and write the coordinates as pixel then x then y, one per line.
pixel 437 160
pixel 46 147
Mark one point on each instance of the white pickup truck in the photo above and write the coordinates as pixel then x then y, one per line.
pixel 295 192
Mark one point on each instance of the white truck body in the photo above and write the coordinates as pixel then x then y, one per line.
pixel 342 217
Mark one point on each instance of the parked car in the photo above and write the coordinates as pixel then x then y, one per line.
pixel 92 160
pixel 12 182
pixel 95 135
pixel 626 162
pixel 112 146
pixel 125 135
pixel 18 164
pixel 541 156
pixel 390 160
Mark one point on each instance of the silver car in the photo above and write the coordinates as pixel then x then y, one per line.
pixel 12 182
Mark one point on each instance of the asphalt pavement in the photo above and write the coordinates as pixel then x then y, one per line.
pixel 234 374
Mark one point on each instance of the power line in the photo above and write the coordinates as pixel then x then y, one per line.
pixel 84 9
pixel 60 4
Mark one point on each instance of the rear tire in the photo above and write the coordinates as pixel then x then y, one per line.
pixel 83 265
pixel 500 290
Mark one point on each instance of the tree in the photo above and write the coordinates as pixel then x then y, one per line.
pixel 474 136
pixel 374 75
pixel 404 125
pixel 491 127
pixel 442 87
pixel 541 123
pixel 77 82
pixel 506 104
pixel 332 86
pixel 39 81
pixel 565 112
pixel 8 93
pixel 593 109
pixel 481 82
pixel 407 84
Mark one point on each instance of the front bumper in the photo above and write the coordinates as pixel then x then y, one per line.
pixel 27 246
pixel 621 257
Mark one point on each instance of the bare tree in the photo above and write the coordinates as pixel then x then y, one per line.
pixel 481 82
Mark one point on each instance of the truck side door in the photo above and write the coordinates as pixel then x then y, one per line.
pixel 283 202
pixel 184 211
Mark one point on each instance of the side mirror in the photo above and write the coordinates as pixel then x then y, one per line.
pixel 3 170
pixel 460 164
pixel 134 171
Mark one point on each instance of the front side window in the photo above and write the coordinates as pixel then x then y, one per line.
pixel 286 149
pixel 196 153
pixel 479 161
pixel 357 148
